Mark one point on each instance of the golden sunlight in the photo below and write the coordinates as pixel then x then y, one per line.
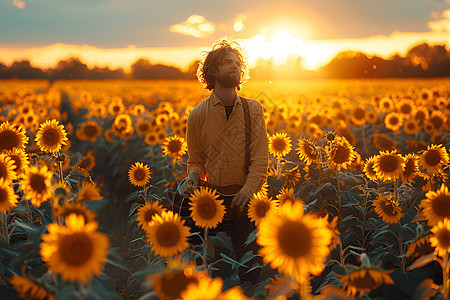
pixel 282 46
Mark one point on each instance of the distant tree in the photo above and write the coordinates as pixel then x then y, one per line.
pixel 24 70
pixel 143 69
pixel 71 68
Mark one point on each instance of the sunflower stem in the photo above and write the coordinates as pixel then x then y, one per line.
pixel 278 168
pixel 445 275
pixel 339 194
pixel 204 248
pixel 395 189
pixel 61 178
pixel 4 220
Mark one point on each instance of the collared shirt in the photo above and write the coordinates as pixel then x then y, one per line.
pixel 216 146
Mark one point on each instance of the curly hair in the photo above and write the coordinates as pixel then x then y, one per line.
pixel 207 67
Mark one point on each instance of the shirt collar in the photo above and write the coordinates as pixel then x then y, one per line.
pixel 216 100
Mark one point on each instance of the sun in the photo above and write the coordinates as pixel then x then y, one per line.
pixel 281 46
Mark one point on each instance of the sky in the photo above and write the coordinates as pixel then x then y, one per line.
pixel 116 33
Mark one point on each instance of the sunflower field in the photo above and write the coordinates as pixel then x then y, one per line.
pixel 356 203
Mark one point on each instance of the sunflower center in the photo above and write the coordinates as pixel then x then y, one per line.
pixel 85 163
pixel 174 146
pixel 405 109
pixel 139 174
pixel 409 167
pixel 50 136
pixel 172 284
pixel 168 234
pixel 437 121
pixel 359 114
pixel 149 214
pixel 144 127
pixel 294 239
pixel 441 205
pixel 90 130
pixel 8 140
pixel 393 120
pixel 388 208
pixel 76 249
pixel 3 196
pixel 279 145
pixel 384 142
pixel 433 157
pixel 341 154
pixel 206 208
pixel 444 238
pixel 389 163
pixel 363 282
pixel 37 183
pixel 262 208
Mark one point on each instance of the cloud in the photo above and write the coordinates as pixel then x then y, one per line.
pixel 19 4
pixel 195 26
pixel 441 25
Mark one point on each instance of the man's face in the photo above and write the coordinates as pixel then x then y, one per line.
pixel 229 71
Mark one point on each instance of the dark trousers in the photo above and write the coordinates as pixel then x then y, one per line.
pixel 237 226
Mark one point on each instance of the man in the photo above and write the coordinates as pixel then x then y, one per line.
pixel 227 139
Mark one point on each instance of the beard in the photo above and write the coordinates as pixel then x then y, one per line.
pixel 229 80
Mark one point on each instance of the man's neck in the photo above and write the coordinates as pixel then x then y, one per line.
pixel 227 95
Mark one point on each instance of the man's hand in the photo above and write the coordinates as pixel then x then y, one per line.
pixel 189 186
pixel 240 200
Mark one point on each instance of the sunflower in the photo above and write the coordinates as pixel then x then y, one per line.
pixel 139 174
pixel 109 135
pixel 7 168
pixel 259 207
pixel 75 251
pixel 36 184
pixel 206 289
pixel 411 127
pixel 307 151
pixel 438 119
pixel 357 164
pixel 142 128
pixel 364 280
pixel 89 131
pixel 137 109
pixel 207 210
pixel 161 136
pixel 441 237
pixel 313 130
pixel 393 121
pixel 77 209
pixel 420 246
pixel 286 194
pixel 87 162
pixel 389 165
pixel 345 132
pixel 116 107
pixel 434 158
pixel 436 205
pixel 340 153
pixel 334 232
pixel 146 212
pixel 12 136
pixel 170 284
pixel 383 143
pixel 168 234
pixel 51 136
pixel 358 116
pixel 405 108
pixel 386 105
pixel 420 114
pixel 292 176
pixel 295 243
pixel 411 168
pixel 8 199
pixel 151 138
pixel 387 209
pixel 29 289
pixel 88 192
pixel 174 146
pixel 280 144
pixel 20 159
pixel 371 116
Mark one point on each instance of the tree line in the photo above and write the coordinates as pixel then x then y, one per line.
pixel 420 61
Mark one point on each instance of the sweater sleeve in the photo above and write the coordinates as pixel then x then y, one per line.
pixel 259 153
pixel 196 160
